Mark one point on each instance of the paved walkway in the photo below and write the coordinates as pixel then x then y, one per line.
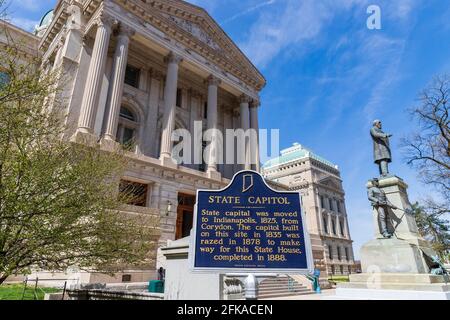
pixel 327 293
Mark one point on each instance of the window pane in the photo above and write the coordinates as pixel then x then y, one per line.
pixel 4 79
pixel 128 136
pixel 179 98
pixel 132 76
pixel 127 114
pixel 133 193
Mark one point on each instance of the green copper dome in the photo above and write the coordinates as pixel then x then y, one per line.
pixel 46 19
pixel 294 153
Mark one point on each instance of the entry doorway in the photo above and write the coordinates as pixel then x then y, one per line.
pixel 185 215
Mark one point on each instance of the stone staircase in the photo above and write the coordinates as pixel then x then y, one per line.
pixel 282 286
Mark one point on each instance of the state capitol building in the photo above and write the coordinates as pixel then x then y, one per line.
pixel 140 69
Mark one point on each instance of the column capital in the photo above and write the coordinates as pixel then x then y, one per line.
pixel 126 31
pixel 173 58
pixel 105 20
pixel 255 103
pixel 213 81
pixel 245 99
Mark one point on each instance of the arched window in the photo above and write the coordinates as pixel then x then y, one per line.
pixel 325 224
pixel 127 128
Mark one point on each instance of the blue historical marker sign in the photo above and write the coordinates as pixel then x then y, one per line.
pixel 249 227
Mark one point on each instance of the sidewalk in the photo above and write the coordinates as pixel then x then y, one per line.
pixel 328 293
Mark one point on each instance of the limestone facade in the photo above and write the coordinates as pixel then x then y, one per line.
pixel 323 200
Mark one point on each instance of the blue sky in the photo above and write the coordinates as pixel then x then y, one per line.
pixel 329 76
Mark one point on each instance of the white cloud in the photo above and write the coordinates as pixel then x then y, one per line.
pixel 25 24
pixel 293 22
pixel 249 10
pixel 29 5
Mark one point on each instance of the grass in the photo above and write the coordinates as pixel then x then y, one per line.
pixel 339 279
pixel 15 292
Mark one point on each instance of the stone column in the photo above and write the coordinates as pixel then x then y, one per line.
pixel 254 123
pixel 149 145
pixel 245 125
pixel 95 76
pixel 213 84
pixel 117 82
pixel 228 124
pixel 330 224
pixel 170 99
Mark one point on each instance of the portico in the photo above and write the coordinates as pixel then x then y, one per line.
pixel 108 29
pixel 139 71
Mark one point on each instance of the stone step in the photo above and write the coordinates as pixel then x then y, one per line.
pixel 280 290
pixel 283 294
pixel 281 287
pixel 276 286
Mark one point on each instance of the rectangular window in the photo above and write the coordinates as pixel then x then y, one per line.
pixel 322 202
pixel 179 102
pixel 4 79
pixel 339 253
pixel 330 203
pixel 330 252
pixel 202 167
pixel 205 111
pixel 133 193
pixel 126 278
pixel 132 76
pixel 346 253
pixel 325 224
pixel 333 223
pixel 338 204
pixel 341 226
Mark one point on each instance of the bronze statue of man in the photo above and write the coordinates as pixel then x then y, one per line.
pixel 380 203
pixel 381 148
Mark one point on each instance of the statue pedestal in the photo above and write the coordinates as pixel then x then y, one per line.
pixel 394 286
pixel 395 268
pixel 401 224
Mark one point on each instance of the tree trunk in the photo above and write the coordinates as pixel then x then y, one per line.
pixel 3 278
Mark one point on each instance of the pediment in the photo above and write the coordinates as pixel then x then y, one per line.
pixel 198 31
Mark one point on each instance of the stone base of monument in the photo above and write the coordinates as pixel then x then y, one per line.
pixel 395 268
pixel 395 256
pixel 394 286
